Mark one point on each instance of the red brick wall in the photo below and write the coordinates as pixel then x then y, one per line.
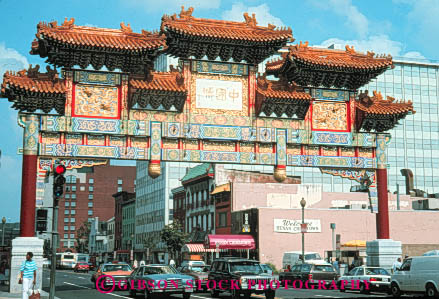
pixel 180 209
pixel 221 207
pixel 104 186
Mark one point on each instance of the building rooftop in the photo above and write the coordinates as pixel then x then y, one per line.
pixel 198 171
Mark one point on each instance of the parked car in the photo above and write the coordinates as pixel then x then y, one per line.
pixel 119 272
pixel 193 263
pixel 378 279
pixel 243 271
pixel 165 279
pixel 293 257
pixel 81 266
pixel 198 273
pixel 312 272
pixel 267 268
pixel 91 266
pixel 418 274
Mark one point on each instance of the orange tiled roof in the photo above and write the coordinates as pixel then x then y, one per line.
pixel 33 81
pixel 163 81
pixel 378 106
pixel 280 90
pixel 121 39
pixel 333 58
pixel 208 28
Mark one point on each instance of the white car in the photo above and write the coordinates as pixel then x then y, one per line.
pixel 377 279
pixel 418 274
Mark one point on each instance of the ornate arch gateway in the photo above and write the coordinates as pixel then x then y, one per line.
pixel 212 107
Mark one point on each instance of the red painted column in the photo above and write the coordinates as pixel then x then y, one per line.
pixel 28 196
pixel 382 217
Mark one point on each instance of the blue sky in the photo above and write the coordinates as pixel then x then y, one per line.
pixel 399 27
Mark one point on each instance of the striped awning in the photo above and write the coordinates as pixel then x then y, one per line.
pixel 195 248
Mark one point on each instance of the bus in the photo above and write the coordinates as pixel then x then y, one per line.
pixel 68 260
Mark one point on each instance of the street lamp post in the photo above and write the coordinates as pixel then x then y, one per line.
pixel 3 231
pixel 303 204
pixel 132 248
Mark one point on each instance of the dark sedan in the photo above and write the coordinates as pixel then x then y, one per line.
pixel 311 272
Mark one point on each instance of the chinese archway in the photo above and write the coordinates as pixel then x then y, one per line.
pixel 103 99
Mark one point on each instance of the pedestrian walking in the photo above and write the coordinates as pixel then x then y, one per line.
pixel 336 265
pixel 28 276
pixel 172 263
pixel 135 264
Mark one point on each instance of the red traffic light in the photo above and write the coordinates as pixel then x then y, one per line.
pixel 60 169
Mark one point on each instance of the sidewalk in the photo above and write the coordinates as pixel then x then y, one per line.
pixel 4 294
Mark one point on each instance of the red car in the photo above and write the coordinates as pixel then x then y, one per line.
pixel 81 266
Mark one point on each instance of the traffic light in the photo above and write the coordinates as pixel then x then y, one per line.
pixel 41 220
pixel 58 180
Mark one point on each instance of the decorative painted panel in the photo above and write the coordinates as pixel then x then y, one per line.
pixel 294 149
pixel 331 138
pixel 139 142
pixel 266 148
pixel 219 68
pixel 156 140
pixel 170 143
pixel 118 141
pixel 219 146
pixel 247 147
pixel 50 137
pixel 138 127
pixel 311 150
pixel 190 144
pixel 30 123
pixel 88 151
pixel 86 125
pixel 219 94
pixel 281 147
pixel 382 142
pixel 96 101
pixel 96 140
pixel 97 78
pixel 329 116
pixel 365 152
pixel 73 139
pixel 330 94
pixel 365 139
pixel 53 123
pixel 329 151
pixel 320 161
pixel 347 151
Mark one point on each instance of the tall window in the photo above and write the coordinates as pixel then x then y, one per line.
pixel 91 181
pixel 119 181
pixel 71 179
pixel 90 188
pixel 222 219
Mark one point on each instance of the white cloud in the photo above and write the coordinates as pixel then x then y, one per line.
pixel 262 13
pixel 10 59
pixel 174 6
pixel 379 44
pixel 354 18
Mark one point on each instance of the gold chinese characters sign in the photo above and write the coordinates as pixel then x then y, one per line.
pixel 219 94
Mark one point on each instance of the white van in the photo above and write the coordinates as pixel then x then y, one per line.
pixel 292 257
pixel 418 274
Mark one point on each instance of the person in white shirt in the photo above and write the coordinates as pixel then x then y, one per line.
pixel 172 263
pixel 396 265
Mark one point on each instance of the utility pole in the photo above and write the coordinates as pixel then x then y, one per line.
pixel 303 204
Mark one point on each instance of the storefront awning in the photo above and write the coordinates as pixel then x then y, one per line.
pixel 195 248
pixel 354 243
pixel 230 242
pixel 221 188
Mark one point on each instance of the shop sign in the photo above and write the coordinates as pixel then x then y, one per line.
pixel 294 226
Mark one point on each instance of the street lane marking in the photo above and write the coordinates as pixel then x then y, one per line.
pixel 77 285
pixel 81 277
pixel 324 296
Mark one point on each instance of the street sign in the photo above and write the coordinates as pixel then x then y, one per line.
pixel 304 227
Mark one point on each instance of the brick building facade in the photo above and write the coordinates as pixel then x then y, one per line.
pixel 88 194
